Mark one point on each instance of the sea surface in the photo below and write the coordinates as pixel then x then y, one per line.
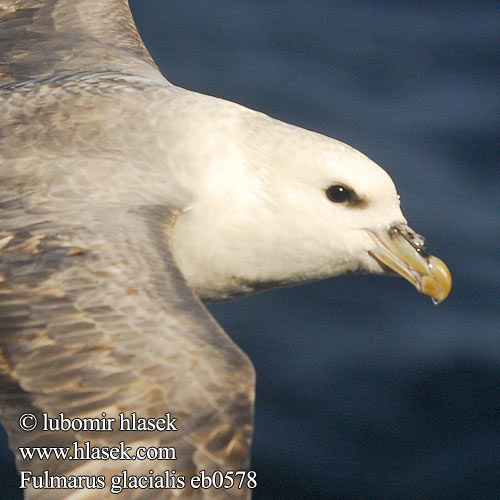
pixel 365 389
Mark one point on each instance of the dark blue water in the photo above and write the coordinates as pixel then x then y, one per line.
pixel 366 391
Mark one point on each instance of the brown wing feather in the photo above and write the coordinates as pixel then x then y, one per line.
pixel 95 317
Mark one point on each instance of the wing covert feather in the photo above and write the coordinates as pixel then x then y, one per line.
pixel 96 318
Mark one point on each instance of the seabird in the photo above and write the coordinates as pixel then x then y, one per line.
pixel 125 202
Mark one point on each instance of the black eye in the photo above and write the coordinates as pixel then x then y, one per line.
pixel 341 194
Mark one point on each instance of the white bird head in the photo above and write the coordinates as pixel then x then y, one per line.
pixel 276 205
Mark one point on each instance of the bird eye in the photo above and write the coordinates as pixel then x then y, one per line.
pixel 341 194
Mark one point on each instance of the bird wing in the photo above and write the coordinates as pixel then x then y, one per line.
pixel 96 318
pixel 49 39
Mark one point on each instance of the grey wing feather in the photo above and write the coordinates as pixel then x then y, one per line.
pixel 50 39
pixel 100 320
